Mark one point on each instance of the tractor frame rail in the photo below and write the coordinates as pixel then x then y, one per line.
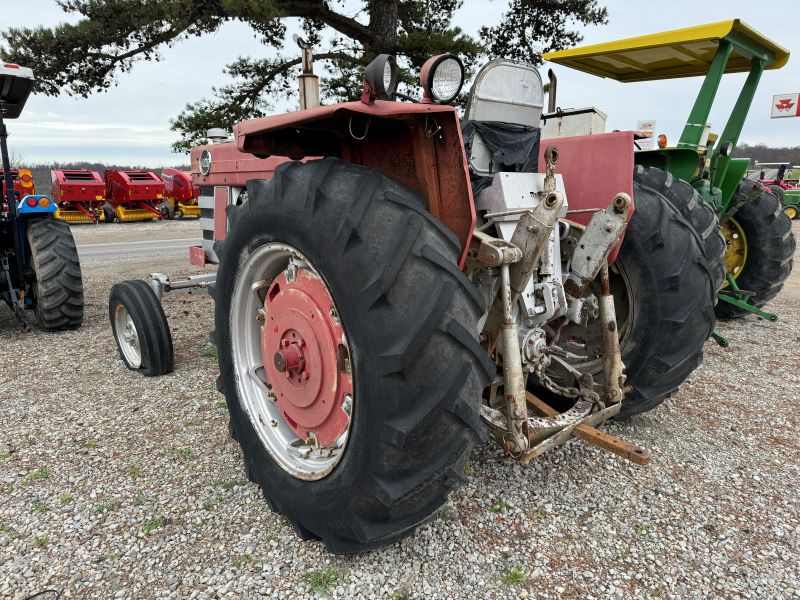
pixel 162 285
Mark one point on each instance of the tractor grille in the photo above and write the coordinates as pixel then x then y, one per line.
pixel 206 203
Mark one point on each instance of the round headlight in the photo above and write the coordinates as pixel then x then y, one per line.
pixel 205 162
pixel 380 77
pixel 442 77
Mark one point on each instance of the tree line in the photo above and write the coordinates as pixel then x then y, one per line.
pixel 767 154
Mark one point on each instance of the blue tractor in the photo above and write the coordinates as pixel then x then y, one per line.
pixel 39 267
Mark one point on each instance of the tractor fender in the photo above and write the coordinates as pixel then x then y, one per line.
pixel 595 168
pixel 24 208
pixel 419 145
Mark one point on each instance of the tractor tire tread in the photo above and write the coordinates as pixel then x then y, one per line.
pixel 771 247
pixel 155 339
pixel 59 283
pixel 429 377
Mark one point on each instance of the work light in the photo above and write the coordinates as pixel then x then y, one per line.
pixel 380 78
pixel 441 78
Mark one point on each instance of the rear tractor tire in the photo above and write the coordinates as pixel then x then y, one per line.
pixel 761 248
pixel 348 355
pixel 664 281
pixel 140 328
pixel 58 288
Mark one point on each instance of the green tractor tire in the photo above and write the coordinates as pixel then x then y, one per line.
pixel 760 251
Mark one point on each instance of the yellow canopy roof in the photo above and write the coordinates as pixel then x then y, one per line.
pixel 679 53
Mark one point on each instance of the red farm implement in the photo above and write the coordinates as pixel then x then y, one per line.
pixel 181 193
pixel 79 193
pixel 134 195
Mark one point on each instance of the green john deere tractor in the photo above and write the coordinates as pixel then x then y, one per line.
pixel 759 242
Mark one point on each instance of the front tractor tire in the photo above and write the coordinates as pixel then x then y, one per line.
pixel 348 352
pixel 58 288
pixel 761 248
pixel 140 328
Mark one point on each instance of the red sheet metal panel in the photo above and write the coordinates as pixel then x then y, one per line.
pixel 419 145
pixel 77 185
pixel 221 195
pixel 178 185
pixel 197 256
pixel 132 186
pixel 595 168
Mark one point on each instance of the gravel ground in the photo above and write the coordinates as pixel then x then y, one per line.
pixel 116 486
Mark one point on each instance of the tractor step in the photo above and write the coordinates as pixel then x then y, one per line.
pixel 587 433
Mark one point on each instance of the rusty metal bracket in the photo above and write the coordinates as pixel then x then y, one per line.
pixel 613 369
pixel 531 237
pixel 594 436
pixel 600 236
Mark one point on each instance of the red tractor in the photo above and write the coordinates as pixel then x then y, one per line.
pixel 133 195
pixel 79 193
pixel 180 194
pixel 396 284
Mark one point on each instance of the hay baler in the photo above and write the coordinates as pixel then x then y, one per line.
pixel 134 195
pixel 180 193
pixel 80 195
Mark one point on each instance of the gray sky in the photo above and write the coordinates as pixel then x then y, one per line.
pixel 130 123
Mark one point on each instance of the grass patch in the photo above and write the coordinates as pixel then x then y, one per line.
pixel 514 576
pixel 244 559
pixel 154 524
pixel 5 455
pixel 107 507
pixel 500 507
pixel 104 558
pixel 65 498
pixel 400 595
pixel 90 443
pixel 41 540
pixel 140 500
pixel 135 471
pixel 9 531
pixel 187 454
pixel 40 473
pixel 222 405
pixel 209 352
pixel 446 514
pixel 321 581
pixel 468 470
pixel 38 506
pixel 641 529
pixel 229 484
pixel 195 423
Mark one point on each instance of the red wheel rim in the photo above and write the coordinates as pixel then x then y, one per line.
pixel 305 357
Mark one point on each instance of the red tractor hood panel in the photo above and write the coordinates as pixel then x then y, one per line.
pixel 249 133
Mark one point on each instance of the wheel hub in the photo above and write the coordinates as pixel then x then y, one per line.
pixel 302 344
pixel 735 249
